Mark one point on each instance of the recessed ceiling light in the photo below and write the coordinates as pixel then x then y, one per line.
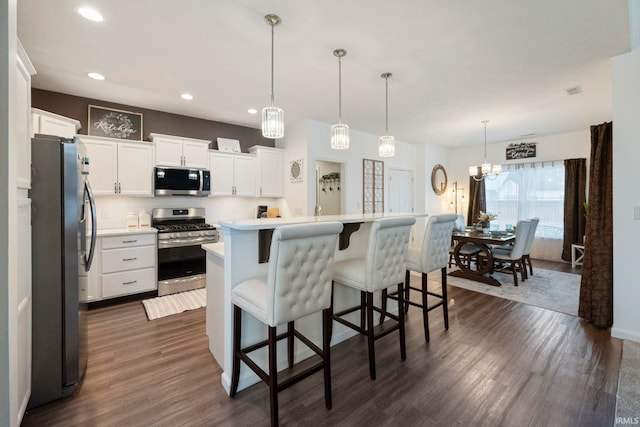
pixel 96 76
pixel 252 111
pixel 90 13
pixel 186 96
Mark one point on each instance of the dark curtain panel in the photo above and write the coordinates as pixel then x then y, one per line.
pixel 575 184
pixel 596 287
pixel 477 200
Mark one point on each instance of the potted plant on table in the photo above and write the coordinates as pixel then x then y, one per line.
pixel 484 218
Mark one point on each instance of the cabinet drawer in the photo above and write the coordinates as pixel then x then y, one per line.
pixel 128 258
pixel 128 282
pixel 127 241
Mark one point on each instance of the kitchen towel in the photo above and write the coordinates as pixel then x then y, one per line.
pixel 175 303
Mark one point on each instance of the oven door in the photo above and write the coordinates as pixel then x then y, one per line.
pixel 180 261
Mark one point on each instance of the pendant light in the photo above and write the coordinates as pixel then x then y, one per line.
pixel 340 131
pixel 272 117
pixel 387 146
pixel 486 170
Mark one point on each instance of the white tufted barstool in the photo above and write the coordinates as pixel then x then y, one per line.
pixel 432 256
pixel 298 284
pixel 381 267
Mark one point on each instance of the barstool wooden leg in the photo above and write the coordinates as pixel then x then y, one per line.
pixel 407 289
pixel 370 338
pixel 403 347
pixel 445 299
pixel 425 309
pixel 326 354
pixel 383 306
pixel 363 303
pixel 290 335
pixel 273 375
pixel 235 370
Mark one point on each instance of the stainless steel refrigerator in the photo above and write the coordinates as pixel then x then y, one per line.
pixel 63 211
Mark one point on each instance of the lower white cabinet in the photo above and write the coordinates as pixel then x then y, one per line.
pixel 124 264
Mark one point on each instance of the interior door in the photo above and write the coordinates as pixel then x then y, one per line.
pixel 400 187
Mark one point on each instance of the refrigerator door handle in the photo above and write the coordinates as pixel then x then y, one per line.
pixel 94 227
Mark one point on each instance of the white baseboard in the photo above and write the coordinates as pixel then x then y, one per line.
pixel 625 334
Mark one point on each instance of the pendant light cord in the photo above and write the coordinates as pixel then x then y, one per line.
pixel 339 89
pixel 272 56
pixel 386 106
pixel 485 140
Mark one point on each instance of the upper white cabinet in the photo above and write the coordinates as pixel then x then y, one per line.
pixel 116 167
pixel 49 123
pixel 232 174
pixel 23 118
pixel 269 171
pixel 180 151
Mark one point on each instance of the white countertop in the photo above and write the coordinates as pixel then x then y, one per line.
pixel 263 223
pixel 122 231
pixel 216 249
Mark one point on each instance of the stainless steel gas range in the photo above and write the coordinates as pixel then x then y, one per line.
pixel 181 259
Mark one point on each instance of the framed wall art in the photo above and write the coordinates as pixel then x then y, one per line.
pixel 295 170
pixel 228 145
pixel 113 123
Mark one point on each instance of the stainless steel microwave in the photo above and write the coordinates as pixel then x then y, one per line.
pixel 181 182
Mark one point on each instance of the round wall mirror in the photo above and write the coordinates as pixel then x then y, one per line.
pixel 439 179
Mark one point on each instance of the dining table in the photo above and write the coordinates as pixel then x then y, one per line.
pixel 483 268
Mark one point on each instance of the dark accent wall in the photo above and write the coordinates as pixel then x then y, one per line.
pixel 153 121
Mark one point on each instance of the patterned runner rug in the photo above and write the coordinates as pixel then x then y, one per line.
pixel 175 303
pixel 549 289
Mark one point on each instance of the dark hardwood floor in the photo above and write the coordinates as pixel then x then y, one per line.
pixel 502 363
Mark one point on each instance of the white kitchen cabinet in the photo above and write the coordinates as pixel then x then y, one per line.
pixel 24 70
pixel 232 174
pixel 119 168
pixel 269 171
pixel 124 264
pixel 178 151
pixel 19 303
pixel 48 123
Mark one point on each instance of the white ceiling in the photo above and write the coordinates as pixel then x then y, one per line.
pixel 454 62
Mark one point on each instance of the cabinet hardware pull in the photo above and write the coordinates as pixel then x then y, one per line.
pixel 115 187
pixel 129 241
pixel 130 259
pixel 130 283
pixel 119 188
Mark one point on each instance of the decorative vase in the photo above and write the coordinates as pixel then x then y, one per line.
pixel 485 226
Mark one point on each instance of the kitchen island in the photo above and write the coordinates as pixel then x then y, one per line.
pixel 244 254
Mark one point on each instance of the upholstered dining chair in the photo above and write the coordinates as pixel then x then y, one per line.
pixel 298 283
pixel 467 252
pixel 526 253
pixel 432 256
pixel 381 267
pixel 513 257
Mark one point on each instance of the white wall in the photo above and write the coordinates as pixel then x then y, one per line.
pixel 297 193
pixel 309 140
pixel 626 174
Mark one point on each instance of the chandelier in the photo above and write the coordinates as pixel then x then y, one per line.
pixel 487 170
pixel 340 131
pixel 387 145
pixel 272 117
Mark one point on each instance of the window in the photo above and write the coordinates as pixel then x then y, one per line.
pixel 526 191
